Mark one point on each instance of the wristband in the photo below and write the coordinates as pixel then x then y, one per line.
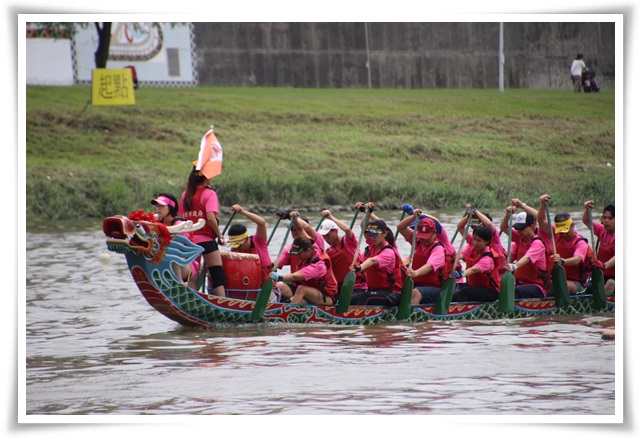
pixel 561 261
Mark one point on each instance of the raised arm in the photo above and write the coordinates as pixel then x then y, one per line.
pixel 586 219
pixel 259 221
pixel 344 227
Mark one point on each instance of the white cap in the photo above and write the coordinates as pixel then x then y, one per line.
pixel 327 225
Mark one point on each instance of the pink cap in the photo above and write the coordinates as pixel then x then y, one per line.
pixel 163 200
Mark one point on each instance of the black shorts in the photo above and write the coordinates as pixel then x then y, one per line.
pixel 209 246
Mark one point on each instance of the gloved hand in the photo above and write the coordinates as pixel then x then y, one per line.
pixel 283 214
pixel 276 277
pixel 457 274
pixel 407 208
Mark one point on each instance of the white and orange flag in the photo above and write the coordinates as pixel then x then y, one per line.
pixel 210 157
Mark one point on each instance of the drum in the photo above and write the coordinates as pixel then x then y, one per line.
pixel 243 275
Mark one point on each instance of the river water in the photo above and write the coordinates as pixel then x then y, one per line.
pixel 93 346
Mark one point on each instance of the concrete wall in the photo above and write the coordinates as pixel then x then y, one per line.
pixel 401 55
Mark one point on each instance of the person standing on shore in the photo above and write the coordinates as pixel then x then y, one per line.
pixel 577 67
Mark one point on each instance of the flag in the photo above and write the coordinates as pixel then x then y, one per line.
pixel 210 157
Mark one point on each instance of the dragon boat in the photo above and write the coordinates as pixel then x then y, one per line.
pixel 153 251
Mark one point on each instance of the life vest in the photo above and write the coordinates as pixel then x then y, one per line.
pixel 436 277
pixel 490 280
pixel 327 284
pixel 605 253
pixel 341 260
pixel 198 211
pixel 380 279
pixel 529 273
pixel 580 271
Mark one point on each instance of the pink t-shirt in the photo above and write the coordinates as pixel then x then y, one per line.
pixel 485 264
pixel 605 239
pixel 436 258
pixel 536 253
pixel 209 200
pixel 314 270
pixel 581 246
pixel 386 258
pixel 262 249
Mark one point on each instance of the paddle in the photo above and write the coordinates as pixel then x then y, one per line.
pixel 226 227
pixel 597 276
pixel 358 210
pixel 319 223
pixel 267 287
pixel 506 300
pixel 401 218
pixel 350 280
pixel 275 227
pixel 449 285
pixel 404 307
pixel 558 275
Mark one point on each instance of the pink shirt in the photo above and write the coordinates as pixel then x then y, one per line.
pixel 436 258
pixel 535 252
pixel 581 246
pixel 485 263
pixel 262 249
pixel 605 239
pixel 386 258
pixel 209 200
pixel 315 270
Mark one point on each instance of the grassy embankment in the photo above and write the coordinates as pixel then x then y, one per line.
pixel 293 147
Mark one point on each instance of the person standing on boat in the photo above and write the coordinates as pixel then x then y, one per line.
pixel 341 249
pixel 431 263
pixel 571 248
pixel 530 255
pixel 482 268
pixel 199 201
pixel 382 265
pixel 240 241
pixel 606 251
pixel 167 213
pixel 314 279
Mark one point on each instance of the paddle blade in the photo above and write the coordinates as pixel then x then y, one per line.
pixel 597 284
pixel 261 302
pixel 444 299
pixel 506 302
pixel 560 288
pixel 345 293
pixel 404 307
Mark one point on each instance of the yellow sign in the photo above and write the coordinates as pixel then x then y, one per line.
pixel 112 87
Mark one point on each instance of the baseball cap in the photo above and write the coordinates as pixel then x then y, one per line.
pixel 523 220
pixel 299 245
pixel 377 227
pixel 426 228
pixel 327 225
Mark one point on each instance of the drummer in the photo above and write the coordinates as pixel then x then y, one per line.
pixel 240 241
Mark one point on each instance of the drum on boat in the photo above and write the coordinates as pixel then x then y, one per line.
pixel 243 276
